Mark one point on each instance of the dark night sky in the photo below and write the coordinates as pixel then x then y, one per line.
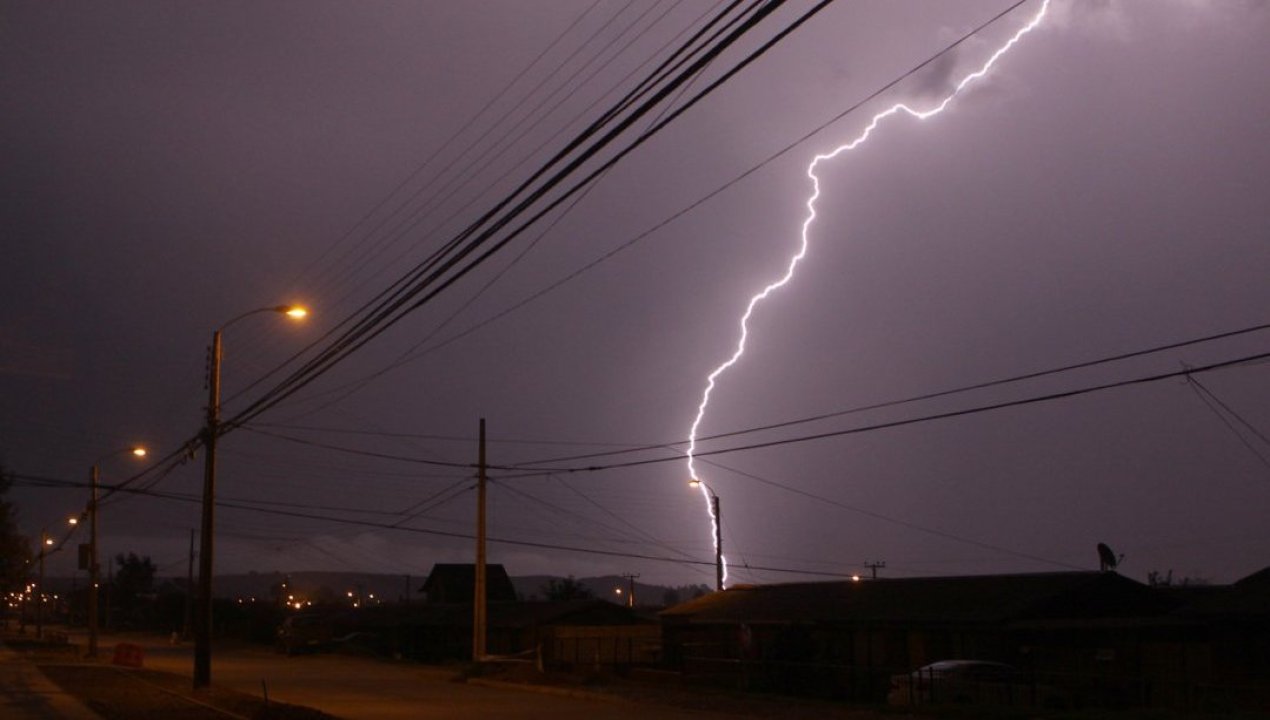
pixel 169 166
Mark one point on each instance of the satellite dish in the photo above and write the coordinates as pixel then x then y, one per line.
pixel 1107 559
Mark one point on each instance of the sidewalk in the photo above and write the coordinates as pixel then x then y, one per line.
pixel 25 694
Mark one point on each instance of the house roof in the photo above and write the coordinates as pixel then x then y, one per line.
pixel 1249 597
pixel 1258 580
pixel 938 601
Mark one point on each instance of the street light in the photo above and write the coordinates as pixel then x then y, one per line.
pixel 94 570
pixel 203 618
pixel 41 596
pixel 718 530
pixel 45 541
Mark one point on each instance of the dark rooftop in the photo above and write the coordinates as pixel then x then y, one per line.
pixel 939 600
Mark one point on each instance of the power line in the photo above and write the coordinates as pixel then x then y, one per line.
pixel 896 521
pixel 722 188
pixel 925 396
pixel 413 352
pixel 824 416
pixel 1212 402
pixel 50 482
pixel 444 273
pixel 386 308
pixel 912 421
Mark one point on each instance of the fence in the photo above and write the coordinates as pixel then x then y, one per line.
pixel 1050 690
pixel 606 646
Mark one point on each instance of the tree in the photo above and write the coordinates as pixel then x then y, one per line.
pixel 133 580
pixel 15 549
pixel 558 589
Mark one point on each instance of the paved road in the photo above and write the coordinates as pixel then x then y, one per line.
pixel 368 689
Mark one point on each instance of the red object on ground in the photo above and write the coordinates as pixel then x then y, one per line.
pixel 129 655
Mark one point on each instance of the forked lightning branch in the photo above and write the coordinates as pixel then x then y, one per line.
pixel 797 257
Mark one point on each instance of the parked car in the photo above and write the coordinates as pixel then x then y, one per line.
pixel 972 682
pixel 305 632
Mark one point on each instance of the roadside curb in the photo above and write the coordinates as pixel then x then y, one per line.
pixel 549 690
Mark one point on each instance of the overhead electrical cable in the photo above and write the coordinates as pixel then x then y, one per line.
pixel 628 448
pixel 1215 405
pixel 389 300
pixel 464 128
pixel 922 397
pixel 391 311
pixel 725 186
pixel 157 494
pixel 436 500
pixel 1048 397
pixel 472 167
pixel 897 521
pixel 442 146
pixel 347 389
pixel 366 453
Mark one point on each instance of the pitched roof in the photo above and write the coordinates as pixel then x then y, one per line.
pixel 938 600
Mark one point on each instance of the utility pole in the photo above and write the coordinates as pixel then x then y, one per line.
pixel 874 567
pixel 406 600
pixel 189 593
pixel 203 617
pixel 630 589
pixel 203 612
pixel 110 583
pixel 94 570
pixel 718 542
pixel 39 589
pixel 478 594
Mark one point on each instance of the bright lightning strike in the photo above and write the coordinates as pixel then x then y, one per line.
pixel 864 135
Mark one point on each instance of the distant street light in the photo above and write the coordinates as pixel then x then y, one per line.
pixel 718 532
pixel 45 541
pixel 94 569
pixel 203 617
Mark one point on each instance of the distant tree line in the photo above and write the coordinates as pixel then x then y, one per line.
pixel 15 548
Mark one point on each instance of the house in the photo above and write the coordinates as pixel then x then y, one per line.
pixel 591 632
pixel 1217 651
pixel 456 582
pixel 565 633
pixel 845 639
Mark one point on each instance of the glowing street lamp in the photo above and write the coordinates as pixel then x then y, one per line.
pixel 203 618
pixel 46 542
pixel 94 570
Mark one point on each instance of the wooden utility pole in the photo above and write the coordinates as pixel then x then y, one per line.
pixel 478 594
pixel 203 617
pixel 873 566
pixel 189 593
pixel 39 590
pixel 94 570
pixel 630 589
pixel 718 542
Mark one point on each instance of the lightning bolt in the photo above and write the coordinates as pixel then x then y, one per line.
pixel 896 109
